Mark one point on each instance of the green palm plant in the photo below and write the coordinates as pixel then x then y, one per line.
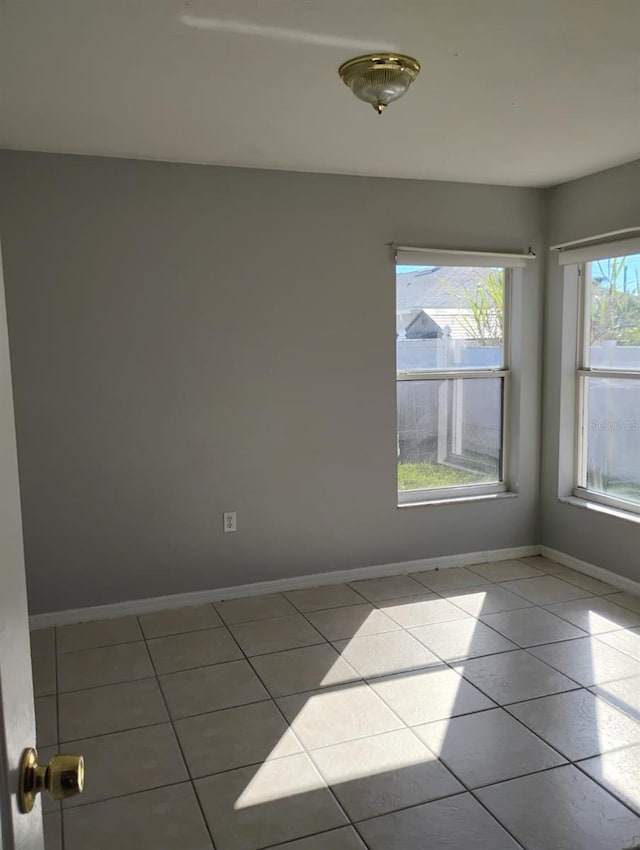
pixel 483 305
pixel 615 302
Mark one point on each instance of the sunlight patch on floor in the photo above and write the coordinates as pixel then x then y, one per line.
pixel 271 782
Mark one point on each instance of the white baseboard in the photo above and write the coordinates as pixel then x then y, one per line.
pixel 621 582
pixel 201 597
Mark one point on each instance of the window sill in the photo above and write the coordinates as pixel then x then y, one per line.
pixel 598 507
pixel 456 500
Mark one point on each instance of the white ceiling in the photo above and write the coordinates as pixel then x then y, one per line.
pixel 527 92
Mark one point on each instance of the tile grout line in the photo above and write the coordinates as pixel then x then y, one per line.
pixel 627 805
pixel 300 742
pixel 377 605
pixel 65 652
pixel 272 699
pixel 288 725
pixel 363 601
pixel 466 788
pixel 308 751
pixel 626 709
pixel 586 633
pixel 568 762
pixel 177 739
pixel 446 767
pixel 464 785
pixel 285 845
pixel 577 762
pixel 169 720
pixel 497 706
pixel 457 662
pixel 404 725
pixel 452 772
pixel 115 731
pixel 324 640
pixel 446 664
pixel 102 800
pixel 408 630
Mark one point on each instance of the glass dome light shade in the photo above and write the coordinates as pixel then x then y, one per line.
pixel 379 79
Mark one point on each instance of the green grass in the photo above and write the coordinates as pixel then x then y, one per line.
pixel 419 476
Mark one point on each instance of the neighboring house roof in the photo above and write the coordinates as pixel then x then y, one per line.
pixel 455 319
pixel 438 292
pixel 423 326
pixel 435 323
pixel 435 287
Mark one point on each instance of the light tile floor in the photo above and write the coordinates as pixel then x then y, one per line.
pixel 491 707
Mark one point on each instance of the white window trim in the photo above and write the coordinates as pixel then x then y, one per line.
pixel 587 503
pixel 584 371
pixel 471 492
pixel 586 495
pixel 584 250
pixel 446 494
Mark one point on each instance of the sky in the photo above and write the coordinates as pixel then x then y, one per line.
pixel 407 269
pixel 600 268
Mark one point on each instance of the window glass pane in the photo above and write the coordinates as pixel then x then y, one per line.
pixel 615 312
pixel 449 432
pixel 449 317
pixel 612 431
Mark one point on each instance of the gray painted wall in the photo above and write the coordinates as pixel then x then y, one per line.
pixel 601 203
pixel 165 371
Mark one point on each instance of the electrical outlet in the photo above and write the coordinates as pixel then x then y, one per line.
pixel 229 521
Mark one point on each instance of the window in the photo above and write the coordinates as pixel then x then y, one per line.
pixel 608 467
pixel 452 373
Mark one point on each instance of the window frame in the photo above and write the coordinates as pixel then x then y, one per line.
pixel 464 492
pixel 584 371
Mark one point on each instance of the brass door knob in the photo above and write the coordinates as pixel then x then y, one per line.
pixel 63 777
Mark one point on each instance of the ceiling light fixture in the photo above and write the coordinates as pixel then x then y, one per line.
pixel 379 78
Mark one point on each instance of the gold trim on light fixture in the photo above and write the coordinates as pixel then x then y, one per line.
pixel 379 78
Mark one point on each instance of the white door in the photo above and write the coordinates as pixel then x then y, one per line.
pixel 17 720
